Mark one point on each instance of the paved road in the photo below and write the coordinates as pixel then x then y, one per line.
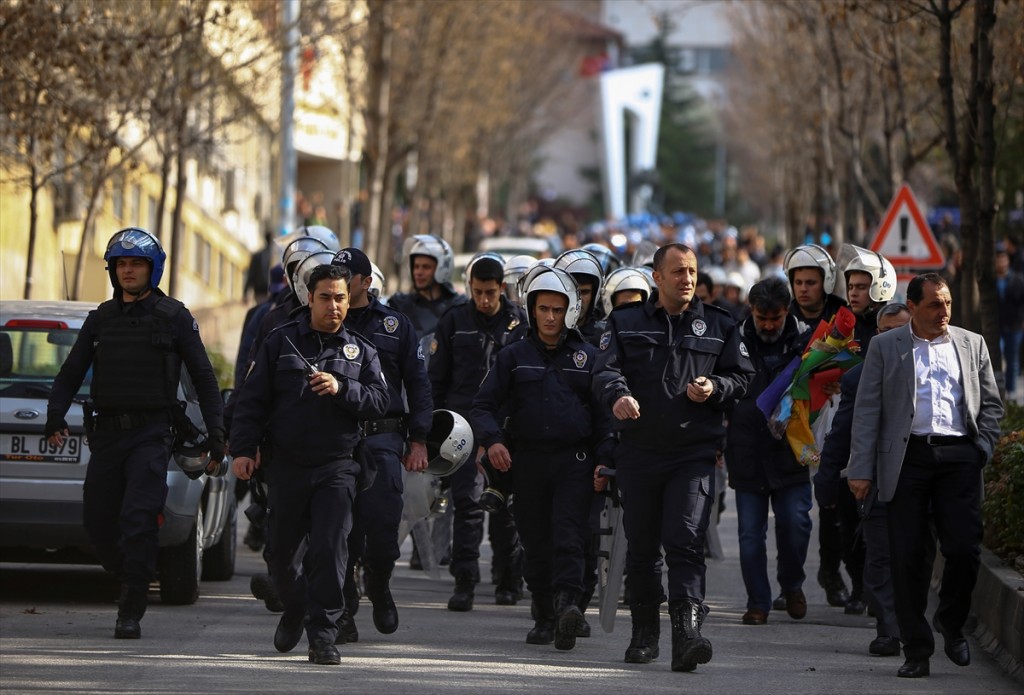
pixel 56 626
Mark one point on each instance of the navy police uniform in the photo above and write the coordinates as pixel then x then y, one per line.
pixel 313 475
pixel 555 426
pixel 136 350
pixel 465 346
pixel 666 458
pixel 378 510
pixel 425 313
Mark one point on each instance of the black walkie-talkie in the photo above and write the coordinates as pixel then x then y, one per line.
pixel 311 369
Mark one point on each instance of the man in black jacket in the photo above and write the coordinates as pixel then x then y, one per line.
pixel 763 469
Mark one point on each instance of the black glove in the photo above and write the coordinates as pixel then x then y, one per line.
pixel 215 440
pixel 54 423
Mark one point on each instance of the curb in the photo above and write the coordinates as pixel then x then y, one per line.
pixel 997 604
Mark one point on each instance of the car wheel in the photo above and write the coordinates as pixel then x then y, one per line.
pixel 181 566
pixel 219 560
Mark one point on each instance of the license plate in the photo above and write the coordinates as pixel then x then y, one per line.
pixel 35 447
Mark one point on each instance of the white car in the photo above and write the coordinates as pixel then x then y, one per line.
pixel 41 485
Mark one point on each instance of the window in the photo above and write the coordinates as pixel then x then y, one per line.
pixel 201 257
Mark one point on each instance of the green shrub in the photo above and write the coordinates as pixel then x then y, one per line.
pixel 1003 507
pixel 223 368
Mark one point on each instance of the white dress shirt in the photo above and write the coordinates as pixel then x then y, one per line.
pixel 940 394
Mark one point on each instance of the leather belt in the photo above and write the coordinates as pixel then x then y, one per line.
pixel 940 439
pixel 130 421
pixel 388 425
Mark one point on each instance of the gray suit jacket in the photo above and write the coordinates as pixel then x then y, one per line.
pixel 885 404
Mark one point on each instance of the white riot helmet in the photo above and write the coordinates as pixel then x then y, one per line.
pixel 449 444
pixel 494 256
pixel 323 233
pixel 882 272
pixel 812 256
pixel 605 256
pixel 305 268
pixel 644 254
pixel 515 268
pixel 436 248
pixel 296 251
pixel 558 281
pixel 623 279
pixel 377 282
pixel 581 262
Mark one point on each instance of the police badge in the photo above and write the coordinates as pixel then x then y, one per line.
pixel 699 327
pixel 351 351
pixel 580 359
pixel 606 339
pixel 743 349
pixel 513 323
pixel 390 324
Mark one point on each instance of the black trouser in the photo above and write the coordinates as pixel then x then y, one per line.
pixel 310 524
pixel 506 549
pixel 378 510
pixel 125 491
pixel 468 527
pixel 852 544
pixel 666 502
pixel 552 504
pixel 941 483
pixel 830 542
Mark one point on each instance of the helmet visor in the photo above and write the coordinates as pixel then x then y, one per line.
pixel 133 242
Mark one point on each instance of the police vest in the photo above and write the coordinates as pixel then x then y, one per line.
pixel 136 365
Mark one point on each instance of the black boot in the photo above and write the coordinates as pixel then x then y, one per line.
pixel 462 600
pixel 543 631
pixel 583 604
pixel 378 590
pixel 348 633
pixel 569 618
pixel 689 648
pixel 131 606
pixel 836 592
pixel 643 647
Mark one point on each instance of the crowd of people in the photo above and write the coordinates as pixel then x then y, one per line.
pixel 546 380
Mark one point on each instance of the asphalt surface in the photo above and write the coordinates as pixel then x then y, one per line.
pixel 56 626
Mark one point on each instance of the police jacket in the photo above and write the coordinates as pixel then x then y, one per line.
pixel 652 357
pixel 401 360
pixel 425 313
pixel 835 452
pixel 832 305
pixel 276 401
pixel 757 461
pixel 865 329
pixel 547 394
pixel 252 327
pixel 592 330
pixel 465 346
pixel 136 350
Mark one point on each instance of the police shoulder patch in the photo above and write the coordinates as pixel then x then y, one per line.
pixel 513 323
pixel 699 327
pixel 580 359
pixel 419 353
pixel 606 339
pixel 195 325
pixel 390 324
pixel 743 349
pixel 351 351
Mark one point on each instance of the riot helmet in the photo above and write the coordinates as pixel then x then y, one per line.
pixel 558 281
pixel 605 257
pixel 377 284
pixel 296 251
pixel 329 238
pixel 624 279
pixel 515 268
pixel 303 270
pixel 578 262
pixel 882 272
pixel 434 247
pixel 138 243
pixel 449 444
pixel 812 256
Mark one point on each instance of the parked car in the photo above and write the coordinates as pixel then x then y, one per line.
pixel 41 485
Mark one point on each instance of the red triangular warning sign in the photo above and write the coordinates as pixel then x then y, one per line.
pixel 904 237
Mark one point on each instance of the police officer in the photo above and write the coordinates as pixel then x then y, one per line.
pixel 311 384
pixel 431 262
pixel 136 344
pixel 378 510
pixel 544 384
pixel 586 271
pixel 812 279
pixel 465 345
pixel 669 368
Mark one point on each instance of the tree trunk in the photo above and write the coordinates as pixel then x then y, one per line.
pixel 165 182
pixel 33 218
pixel 88 229
pixel 177 229
pixel 378 114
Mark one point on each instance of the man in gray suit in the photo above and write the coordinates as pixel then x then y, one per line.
pixel 926 420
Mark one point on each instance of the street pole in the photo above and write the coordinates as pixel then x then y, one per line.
pixel 290 22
